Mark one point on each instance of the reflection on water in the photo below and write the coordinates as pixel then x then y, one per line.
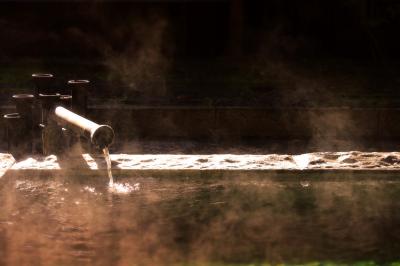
pixel 73 221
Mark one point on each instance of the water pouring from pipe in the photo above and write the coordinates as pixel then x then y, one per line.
pixel 108 162
pixel 54 116
pixel 100 135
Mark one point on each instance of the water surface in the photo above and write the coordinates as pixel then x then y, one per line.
pixel 162 221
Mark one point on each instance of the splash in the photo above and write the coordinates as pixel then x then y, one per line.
pixel 89 189
pixel 123 188
pixel 117 187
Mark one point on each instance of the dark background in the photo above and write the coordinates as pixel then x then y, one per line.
pixel 283 52
pixel 358 29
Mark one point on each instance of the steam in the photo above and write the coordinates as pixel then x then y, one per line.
pixel 140 66
pixel 317 93
pixel 198 221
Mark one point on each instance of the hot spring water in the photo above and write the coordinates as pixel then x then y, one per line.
pixel 206 220
pixel 72 220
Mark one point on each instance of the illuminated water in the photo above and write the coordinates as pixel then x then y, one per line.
pixel 117 187
pixel 192 221
pixel 108 162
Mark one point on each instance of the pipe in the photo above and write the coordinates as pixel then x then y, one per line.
pixel 43 83
pixel 18 133
pixel 79 91
pixel 66 101
pixel 99 135
pixel 24 104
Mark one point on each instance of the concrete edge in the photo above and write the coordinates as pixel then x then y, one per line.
pixel 272 174
pixel 9 163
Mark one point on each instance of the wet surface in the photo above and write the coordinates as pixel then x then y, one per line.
pixel 78 221
pixel 353 160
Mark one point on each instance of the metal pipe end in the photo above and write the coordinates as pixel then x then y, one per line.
pixel 78 81
pixel 12 116
pixel 42 75
pixel 43 83
pixel 49 100
pixel 65 97
pixel 23 96
pixel 24 103
pixel 102 136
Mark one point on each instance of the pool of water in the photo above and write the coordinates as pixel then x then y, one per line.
pixel 65 220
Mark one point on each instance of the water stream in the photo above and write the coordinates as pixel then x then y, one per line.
pixel 117 187
pixel 108 161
